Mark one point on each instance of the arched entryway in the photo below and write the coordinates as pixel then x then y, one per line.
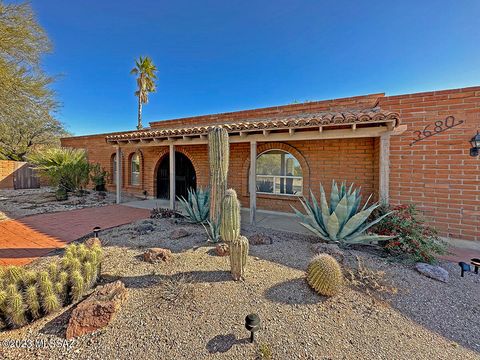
pixel 185 177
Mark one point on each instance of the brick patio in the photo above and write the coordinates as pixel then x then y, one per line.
pixel 23 240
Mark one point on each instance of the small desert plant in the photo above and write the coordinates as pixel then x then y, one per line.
pixel 176 289
pixel 412 237
pixel 161 213
pixel 98 176
pixel 324 275
pixel 196 206
pixel 343 221
pixel 264 352
pixel 362 277
pixel 14 306
pixel 33 303
pixel 213 231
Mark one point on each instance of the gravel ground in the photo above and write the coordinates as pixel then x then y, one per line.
pixel 190 309
pixel 19 203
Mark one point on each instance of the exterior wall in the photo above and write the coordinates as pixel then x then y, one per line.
pixel 436 173
pixel 7 169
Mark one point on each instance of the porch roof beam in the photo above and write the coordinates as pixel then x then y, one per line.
pixel 260 136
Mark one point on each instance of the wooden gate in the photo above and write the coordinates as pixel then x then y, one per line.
pixel 24 177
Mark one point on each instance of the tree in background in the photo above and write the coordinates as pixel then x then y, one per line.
pixel 145 71
pixel 27 103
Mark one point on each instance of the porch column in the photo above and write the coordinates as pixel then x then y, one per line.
pixel 118 175
pixel 253 181
pixel 384 167
pixel 171 155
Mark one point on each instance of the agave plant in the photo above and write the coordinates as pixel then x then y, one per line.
pixel 196 206
pixel 213 231
pixel 342 221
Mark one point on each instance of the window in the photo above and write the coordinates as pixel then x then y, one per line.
pixel 278 172
pixel 114 169
pixel 135 169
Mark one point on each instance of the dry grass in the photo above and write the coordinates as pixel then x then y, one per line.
pixel 176 289
pixel 368 280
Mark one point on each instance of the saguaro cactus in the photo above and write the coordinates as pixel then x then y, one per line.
pixel 238 257
pixel 230 217
pixel 218 156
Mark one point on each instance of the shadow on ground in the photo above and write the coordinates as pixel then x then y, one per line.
pixel 223 343
pixel 298 293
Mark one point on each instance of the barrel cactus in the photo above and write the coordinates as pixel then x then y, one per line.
pixel 325 275
pixel 238 257
pixel 230 217
pixel 343 221
pixel 218 156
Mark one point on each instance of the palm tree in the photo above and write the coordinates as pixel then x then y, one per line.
pixel 145 69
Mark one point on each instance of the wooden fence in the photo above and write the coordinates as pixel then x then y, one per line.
pixel 17 175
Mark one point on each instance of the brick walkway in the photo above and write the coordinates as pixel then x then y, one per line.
pixel 23 240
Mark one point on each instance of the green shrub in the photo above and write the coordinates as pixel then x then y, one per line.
pixel 342 221
pixel 413 238
pixel 98 176
pixel 65 168
pixel 196 206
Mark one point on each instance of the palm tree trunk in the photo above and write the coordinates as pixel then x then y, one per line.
pixel 139 125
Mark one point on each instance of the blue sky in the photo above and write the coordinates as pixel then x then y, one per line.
pixel 216 56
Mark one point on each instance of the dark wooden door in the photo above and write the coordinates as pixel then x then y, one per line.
pixel 185 177
pixel 24 177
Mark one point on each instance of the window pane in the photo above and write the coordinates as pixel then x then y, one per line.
pixel 135 178
pixel 279 172
pixel 135 170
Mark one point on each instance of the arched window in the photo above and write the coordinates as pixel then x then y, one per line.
pixel 135 170
pixel 114 169
pixel 279 172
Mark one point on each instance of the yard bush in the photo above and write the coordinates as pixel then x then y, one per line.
pixel 28 295
pixel 98 176
pixel 413 238
pixel 65 168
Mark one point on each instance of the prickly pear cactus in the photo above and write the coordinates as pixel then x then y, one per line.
pixel 218 156
pixel 238 257
pixel 230 217
pixel 324 275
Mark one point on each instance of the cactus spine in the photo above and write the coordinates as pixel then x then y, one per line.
pixel 14 275
pixel 33 304
pixel 218 156
pixel 325 275
pixel 230 217
pixel 77 285
pixel 238 257
pixel 15 308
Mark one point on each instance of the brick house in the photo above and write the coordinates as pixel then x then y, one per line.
pixel 406 148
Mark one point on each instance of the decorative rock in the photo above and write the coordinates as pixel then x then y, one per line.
pixel 260 239
pixel 93 241
pixel 144 228
pixel 98 310
pixel 432 271
pixel 157 254
pixel 179 233
pixel 222 250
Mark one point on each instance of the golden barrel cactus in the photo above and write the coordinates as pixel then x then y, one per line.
pixel 324 275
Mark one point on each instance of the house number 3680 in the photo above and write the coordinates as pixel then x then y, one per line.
pixel 436 128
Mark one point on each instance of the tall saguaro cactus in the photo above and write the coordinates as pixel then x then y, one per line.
pixel 230 217
pixel 218 156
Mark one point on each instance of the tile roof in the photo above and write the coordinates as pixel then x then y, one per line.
pixel 350 117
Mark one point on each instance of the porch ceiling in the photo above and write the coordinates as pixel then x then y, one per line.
pixel 322 125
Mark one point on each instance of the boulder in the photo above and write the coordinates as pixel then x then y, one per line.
pixel 157 254
pixel 179 233
pixel 97 311
pixel 222 250
pixel 432 271
pixel 144 228
pixel 260 239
